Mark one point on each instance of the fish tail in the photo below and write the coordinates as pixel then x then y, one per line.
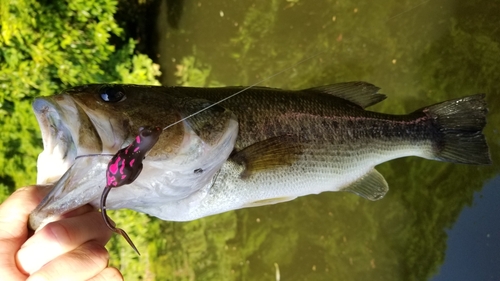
pixel 458 126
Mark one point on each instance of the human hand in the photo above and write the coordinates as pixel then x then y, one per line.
pixel 71 248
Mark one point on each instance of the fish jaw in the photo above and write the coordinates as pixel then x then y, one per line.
pixel 68 131
pixel 79 135
pixel 81 184
pixel 61 141
pixel 161 182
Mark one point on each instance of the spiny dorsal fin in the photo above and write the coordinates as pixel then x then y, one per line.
pixel 268 154
pixel 358 92
pixel 371 186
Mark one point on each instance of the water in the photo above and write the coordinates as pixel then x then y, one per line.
pixel 474 239
pixel 439 221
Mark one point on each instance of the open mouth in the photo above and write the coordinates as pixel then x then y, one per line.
pixel 59 148
pixel 67 132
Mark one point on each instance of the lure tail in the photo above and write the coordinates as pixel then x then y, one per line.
pixel 110 224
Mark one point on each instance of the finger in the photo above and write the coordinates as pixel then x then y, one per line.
pixel 13 231
pixel 60 237
pixel 15 210
pixel 73 213
pixel 109 273
pixel 83 263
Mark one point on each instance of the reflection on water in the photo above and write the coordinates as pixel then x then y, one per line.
pixel 474 240
pixel 418 53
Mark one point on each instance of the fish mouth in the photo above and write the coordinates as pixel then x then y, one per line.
pixel 77 123
pixel 59 147
pixel 67 132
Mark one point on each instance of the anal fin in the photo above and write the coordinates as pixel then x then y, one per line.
pixel 371 186
pixel 269 201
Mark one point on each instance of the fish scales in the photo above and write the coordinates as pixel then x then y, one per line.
pixel 260 147
pixel 340 143
pixel 273 112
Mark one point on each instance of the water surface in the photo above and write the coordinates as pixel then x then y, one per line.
pixel 419 53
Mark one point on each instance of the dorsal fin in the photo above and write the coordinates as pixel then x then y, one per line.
pixel 361 93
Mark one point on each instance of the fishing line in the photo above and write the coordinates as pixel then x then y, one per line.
pixel 412 8
pixel 131 175
pixel 274 75
pixel 220 101
pixel 94 154
pixel 251 86
pixel 241 91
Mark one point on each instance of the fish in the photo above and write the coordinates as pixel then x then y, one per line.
pixel 220 152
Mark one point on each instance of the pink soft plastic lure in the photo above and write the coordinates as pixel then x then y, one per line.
pixel 124 168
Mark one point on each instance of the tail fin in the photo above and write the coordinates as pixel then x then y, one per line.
pixel 460 123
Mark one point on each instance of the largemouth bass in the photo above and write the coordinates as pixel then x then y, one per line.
pixel 261 147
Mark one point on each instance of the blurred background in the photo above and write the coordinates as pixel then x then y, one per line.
pixel 439 221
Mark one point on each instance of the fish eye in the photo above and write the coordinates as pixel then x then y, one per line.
pixel 113 93
pixel 145 132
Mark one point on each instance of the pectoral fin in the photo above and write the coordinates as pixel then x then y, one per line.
pixel 371 186
pixel 268 154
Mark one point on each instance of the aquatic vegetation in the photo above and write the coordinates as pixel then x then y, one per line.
pixel 425 55
pixel 46 46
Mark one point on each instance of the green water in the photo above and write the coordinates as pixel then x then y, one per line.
pixel 419 53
